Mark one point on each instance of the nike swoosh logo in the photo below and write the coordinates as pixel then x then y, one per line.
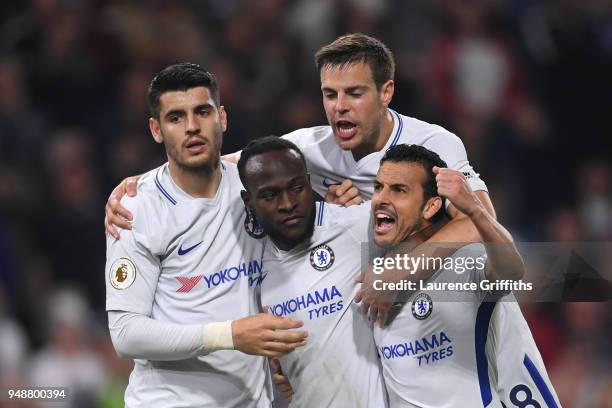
pixel 182 251
pixel 327 184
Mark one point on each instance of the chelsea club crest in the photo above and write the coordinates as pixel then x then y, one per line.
pixel 422 306
pixel 251 225
pixel 322 257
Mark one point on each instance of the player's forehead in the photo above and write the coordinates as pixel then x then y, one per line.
pixel 347 75
pixel 273 168
pixel 180 100
pixel 406 173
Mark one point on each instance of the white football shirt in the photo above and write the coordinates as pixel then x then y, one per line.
pixel 189 261
pixel 518 374
pixel 451 348
pixel 328 164
pixel 315 283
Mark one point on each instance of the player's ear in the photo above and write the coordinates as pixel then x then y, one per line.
pixel 155 130
pixel 431 208
pixel 386 92
pixel 223 118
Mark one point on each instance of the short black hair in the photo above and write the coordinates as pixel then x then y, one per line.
pixel 181 76
pixel 358 47
pixel 405 153
pixel 263 145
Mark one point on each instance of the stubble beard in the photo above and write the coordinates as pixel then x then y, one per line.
pixel 368 141
pixel 416 228
pixel 207 167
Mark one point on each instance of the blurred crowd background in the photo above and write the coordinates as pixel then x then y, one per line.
pixel 526 84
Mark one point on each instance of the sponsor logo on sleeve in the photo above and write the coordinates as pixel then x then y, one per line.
pixel 122 273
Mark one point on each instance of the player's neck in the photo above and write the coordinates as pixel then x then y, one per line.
pixel 384 133
pixel 427 231
pixel 200 183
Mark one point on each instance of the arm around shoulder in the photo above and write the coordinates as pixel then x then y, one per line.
pixel 138 336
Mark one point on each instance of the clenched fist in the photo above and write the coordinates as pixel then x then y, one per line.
pixel 453 186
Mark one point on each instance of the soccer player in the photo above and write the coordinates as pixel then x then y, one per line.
pixel 181 282
pixel 356 74
pixel 311 260
pixel 461 349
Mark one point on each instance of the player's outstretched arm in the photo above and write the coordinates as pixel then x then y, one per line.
pixel 138 336
pixel 115 213
pixel 503 259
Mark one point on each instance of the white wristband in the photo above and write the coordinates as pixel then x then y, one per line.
pixel 217 336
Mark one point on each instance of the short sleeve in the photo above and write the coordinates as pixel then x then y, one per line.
pixel 132 270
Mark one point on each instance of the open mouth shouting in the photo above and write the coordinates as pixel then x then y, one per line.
pixel 345 129
pixel 384 221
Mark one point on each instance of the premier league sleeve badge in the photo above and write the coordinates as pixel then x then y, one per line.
pixel 122 273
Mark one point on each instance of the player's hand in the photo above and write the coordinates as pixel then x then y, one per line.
pixel 453 186
pixel 345 194
pixel 115 213
pixel 374 303
pixel 267 335
pixel 281 380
